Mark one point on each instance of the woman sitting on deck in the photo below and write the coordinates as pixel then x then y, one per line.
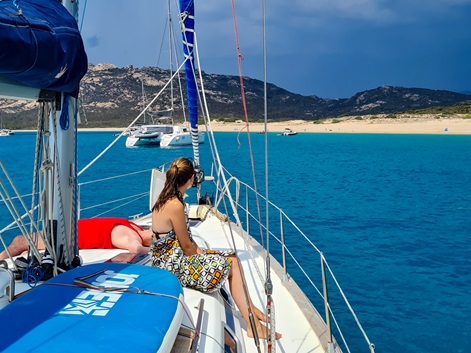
pixel 175 250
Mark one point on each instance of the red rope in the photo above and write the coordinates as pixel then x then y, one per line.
pixel 244 104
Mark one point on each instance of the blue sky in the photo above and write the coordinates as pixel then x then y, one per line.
pixel 327 48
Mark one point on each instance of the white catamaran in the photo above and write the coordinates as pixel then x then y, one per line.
pixel 165 132
pixel 108 299
pixel 150 134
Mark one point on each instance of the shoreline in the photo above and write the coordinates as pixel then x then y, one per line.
pixel 455 125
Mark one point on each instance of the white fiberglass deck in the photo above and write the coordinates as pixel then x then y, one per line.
pixel 298 333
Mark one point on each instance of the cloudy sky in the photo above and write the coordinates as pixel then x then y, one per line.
pixel 327 48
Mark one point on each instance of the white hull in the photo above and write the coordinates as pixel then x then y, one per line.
pixel 289 132
pixel 132 141
pixel 6 132
pixel 179 137
pixel 148 135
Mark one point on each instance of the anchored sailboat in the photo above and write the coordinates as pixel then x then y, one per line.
pixel 151 134
pixel 163 131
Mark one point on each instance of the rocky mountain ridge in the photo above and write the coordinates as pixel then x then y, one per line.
pixel 113 97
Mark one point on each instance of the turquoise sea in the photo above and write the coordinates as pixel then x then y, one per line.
pixel 392 214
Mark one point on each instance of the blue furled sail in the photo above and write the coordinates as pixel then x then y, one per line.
pixel 187 19
pixel 41 46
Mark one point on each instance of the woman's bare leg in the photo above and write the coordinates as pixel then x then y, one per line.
pixel 237 291
pixel 18 246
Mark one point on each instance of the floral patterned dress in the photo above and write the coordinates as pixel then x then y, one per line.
pixel 206 272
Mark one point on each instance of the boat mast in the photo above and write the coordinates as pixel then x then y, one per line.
pixel 144 103
pixel 62 214
pixel 170 49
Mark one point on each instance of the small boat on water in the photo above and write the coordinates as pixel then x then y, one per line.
pixel 289 132
pixel 6 132
pixel 64 299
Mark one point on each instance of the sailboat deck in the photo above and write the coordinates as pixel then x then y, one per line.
pixel 300 320
pixel 295 318
pixel 300 324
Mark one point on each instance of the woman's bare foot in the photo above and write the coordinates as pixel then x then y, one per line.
pixel 259 314
pixel 261 331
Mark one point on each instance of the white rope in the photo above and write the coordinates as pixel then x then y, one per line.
pixel 114 177
pixel 7 200
pixel 135 198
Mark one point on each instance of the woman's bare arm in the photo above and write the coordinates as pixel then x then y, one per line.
pixel 178 219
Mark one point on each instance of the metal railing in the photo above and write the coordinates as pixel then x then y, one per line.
pixel 289 260
pixel 130 198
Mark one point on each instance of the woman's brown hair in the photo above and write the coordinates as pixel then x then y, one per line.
pixel 180 171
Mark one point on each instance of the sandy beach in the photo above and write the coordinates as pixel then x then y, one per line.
pixel 419 124
pixel 456 125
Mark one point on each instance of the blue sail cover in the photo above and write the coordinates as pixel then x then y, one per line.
pixel 187 15
pixel 41 46
pixel 187 11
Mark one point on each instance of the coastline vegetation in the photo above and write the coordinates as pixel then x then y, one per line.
pixel 453 109
pixel 117 119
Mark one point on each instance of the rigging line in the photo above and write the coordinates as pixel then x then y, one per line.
pixel 40 126
pixel 75 190
pixel 133 198
pixel 268 283
pixel 346 301
pixel 244 285
pixel 132 123
pixel 164 32
pixel 5 197
pixel 115 208
pixel 247 245
pixel 212 141
pixel 32 235
pixel 176 55
pixel 219 170
pixel 218 167
pixel 21 196
pixel 202 99
pixel 42 112
pixel 114 177
pixel 83 16
pixel 19 219
pixel 244 103
pixel 56 187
